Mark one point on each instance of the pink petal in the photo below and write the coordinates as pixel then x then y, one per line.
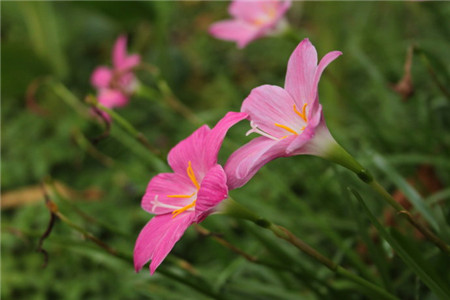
pixel 121 61
pixel 247 10
pixel 101 77
pixel 315 140
pixel 158 237
pixel 215 137
pixel 283 6
pixel 112 98
pixel 202 147
pixel 297 145
pixel 128 82
pixel 251 11
pixel 324 62
pixel 119 53
pixel 300 74
pixel 247 160
pixel 155 200
pixel 130 62
pixel 234 30
pixel 190 149
pixel 212 191
pixel 268 105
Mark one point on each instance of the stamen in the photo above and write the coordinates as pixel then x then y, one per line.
pixel 303 113
pixel 183 209
pixel 156 203
pixel 191 175
pixel 255 129
pixel 181 196
pixel 286 128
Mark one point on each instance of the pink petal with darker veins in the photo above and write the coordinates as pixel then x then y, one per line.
pixel 216 136
pixel 243 164
pixel 155 200
pixel 101 77
pixel 303 74
pixel 300 73
pixel 234 30
pixel 268 105
pixel 202 147
pixel 190 149
pixel 212 191
pixel 158 237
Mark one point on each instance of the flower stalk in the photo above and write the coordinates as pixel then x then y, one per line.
pixel 124 123
pixel 339 155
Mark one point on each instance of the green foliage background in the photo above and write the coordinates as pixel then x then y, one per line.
pixel 65 41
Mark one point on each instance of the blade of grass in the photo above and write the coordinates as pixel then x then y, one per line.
pixel 409 191
pixel 415 262
pixel 376 253
pixel 40 19
pixel 434 217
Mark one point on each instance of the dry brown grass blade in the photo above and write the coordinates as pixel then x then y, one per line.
pixel 33 194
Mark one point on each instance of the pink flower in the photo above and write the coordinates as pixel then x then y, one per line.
pixel 252 19
pixel 186 196
pixel 290 120
pixel 117 84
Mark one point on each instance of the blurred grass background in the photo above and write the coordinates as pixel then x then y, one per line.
pixel 101 188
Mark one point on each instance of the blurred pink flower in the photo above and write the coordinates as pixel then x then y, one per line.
pixel 117 84
pixel 290 120
pixel 186 196
pixel 252 19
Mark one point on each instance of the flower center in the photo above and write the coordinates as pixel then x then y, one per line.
pixel 269 16
pixel 302 115
pixel 191 175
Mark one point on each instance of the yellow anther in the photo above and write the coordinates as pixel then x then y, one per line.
pixel 286 128
pixel 181 196
pixel 191 175
pixel 303 113
pixel 183 209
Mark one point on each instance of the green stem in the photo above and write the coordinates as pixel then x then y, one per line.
pixel 70 99
pixel 404 212
pixel 233 208
pixel 128 127
pixel 340 156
